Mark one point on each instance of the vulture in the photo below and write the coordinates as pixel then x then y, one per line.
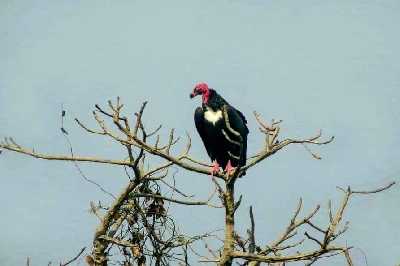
pixel 210 124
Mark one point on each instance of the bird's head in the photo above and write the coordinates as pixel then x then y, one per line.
pixel 201 89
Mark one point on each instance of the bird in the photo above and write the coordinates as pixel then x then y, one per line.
pixel 210 123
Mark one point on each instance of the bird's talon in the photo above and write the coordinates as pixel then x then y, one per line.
pixel 215 168
pixel 229 169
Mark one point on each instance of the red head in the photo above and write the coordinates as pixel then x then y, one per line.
pixel 201 89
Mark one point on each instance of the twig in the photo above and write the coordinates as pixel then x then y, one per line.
pixel 64 157
pixel 373 191
pixel 252 239
pixel 205 202
pixel 74 259
pixel 95 209
pixel 178 191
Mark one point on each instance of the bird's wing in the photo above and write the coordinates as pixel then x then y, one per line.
pixel 243 118
pixel 237 120
pixel 200 126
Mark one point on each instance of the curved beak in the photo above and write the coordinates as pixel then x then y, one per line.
pixel 192 95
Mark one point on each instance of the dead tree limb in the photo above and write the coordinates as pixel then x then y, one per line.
pixel 137 223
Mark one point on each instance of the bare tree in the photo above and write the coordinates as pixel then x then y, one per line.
pixel 138 228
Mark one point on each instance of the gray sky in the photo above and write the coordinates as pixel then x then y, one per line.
pixel 330 66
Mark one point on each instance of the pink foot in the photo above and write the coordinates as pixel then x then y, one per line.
pixel 215 168
pixel 228 169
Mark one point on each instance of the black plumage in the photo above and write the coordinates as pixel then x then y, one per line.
pixel 210 123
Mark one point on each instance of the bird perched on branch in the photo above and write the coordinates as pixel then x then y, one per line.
pixel 222 148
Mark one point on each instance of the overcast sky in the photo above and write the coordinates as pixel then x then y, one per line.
pixel 316 65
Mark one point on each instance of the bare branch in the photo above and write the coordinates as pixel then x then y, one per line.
pixel 347 255
pixel 210 250
pixel 330 211
pixel 252 246
pixel 374 191
pixel 198 162
pixel 89 129
pixel 313 238
pixel 19 149
pixel 205 202
pixel 73 259
pixel 95 209
pixel 177 190
pixel 237 204
pixel 118 241
pixel 316 227
pixel 293 220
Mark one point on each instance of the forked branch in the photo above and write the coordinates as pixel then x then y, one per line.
pixel 272 145
pixel 324 242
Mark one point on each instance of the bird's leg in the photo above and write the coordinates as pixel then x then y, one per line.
pixel 228 169
pixel 215 168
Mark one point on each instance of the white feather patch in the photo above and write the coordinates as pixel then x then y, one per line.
pixel 212 116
